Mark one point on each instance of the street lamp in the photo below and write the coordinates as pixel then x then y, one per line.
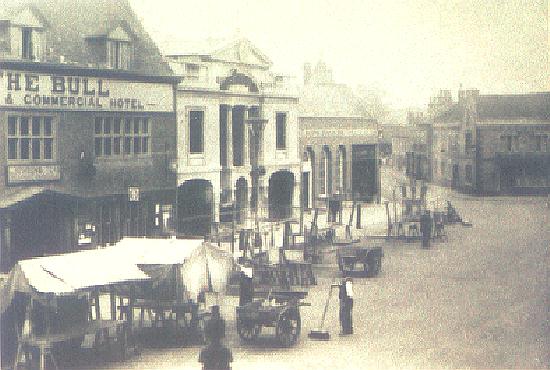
pixel 256 126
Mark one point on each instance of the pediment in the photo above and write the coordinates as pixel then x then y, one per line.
pixel 242 51
pixel 28 17
pixel 118 33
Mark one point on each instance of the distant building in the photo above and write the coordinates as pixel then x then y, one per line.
pixel 493 144
pixel 339 148
pixel 227 92
pixel 87 128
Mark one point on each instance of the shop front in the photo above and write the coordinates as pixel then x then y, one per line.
pixel 88 158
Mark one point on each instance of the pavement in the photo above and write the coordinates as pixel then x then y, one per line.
pixel 478 300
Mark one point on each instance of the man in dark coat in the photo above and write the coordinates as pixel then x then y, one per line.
pixel 426 229
pixel 215 355
pixel 246 287
pixel 346 306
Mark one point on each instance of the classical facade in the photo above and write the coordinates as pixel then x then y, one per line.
pixel 87 128
pixel 493 144
pixel 238 137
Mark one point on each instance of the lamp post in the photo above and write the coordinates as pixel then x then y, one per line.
pixel 256 126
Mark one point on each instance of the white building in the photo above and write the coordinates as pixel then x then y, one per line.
pixel 227 90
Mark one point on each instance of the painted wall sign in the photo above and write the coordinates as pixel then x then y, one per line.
pixel 43 91
pixel 33 173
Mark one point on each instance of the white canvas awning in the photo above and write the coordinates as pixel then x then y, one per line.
pixel 68 273
pixel 149 251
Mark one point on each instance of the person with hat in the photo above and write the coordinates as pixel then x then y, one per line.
pixel 346 306
pixel 215 355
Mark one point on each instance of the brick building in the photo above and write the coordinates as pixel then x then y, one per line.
pixel 493 144
pixel 87 128
pixel 238 147
pixel 339 148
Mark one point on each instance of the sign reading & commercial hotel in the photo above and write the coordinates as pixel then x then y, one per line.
pixel 52 91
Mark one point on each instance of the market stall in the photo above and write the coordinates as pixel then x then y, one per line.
pixel 52 305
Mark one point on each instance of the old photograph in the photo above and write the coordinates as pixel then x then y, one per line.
pixel 274 184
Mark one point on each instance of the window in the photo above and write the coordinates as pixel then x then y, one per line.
pixel 196 134
pixel 443 163
pixel 467 141
pixel 30 138
pixel 121 136
pixel 26 47
pixel 118 54
pixel 192 71
pixel 469 174
pixel 5 42
pixel 280 122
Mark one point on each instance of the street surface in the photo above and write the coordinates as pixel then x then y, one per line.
pixel 479 300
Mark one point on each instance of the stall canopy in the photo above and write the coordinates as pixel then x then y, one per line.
pixel 147 251
pixel 132 259
pixel 207 269
pixel 69 273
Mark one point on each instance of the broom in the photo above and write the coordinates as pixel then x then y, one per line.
pixel 321 333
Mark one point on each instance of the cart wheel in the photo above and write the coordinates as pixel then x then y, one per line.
pixel 249 332
pixel 288 328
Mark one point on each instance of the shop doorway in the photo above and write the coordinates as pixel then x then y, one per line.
pixel 195 207
pixel 281 185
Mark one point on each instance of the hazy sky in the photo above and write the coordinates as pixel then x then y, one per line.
pixel 407 48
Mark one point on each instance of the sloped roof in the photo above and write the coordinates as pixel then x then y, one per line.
pixel 69 22
pixel 524 106
pixel 453 114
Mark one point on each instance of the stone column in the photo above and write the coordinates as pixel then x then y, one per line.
pixel 349 166
pixel 216 205
pixel 246 141
pixel 229 123
pixel 296 194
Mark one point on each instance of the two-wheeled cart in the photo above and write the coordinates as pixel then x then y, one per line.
pixel 280 310
pixel 358 257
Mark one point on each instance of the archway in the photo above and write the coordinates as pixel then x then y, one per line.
pixel 195 207
pixel 281 185
pixel 241 198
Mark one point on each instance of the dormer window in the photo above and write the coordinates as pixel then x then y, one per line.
pixel 26 43
pixel 113 49
pixel 118 54
pixel 21 36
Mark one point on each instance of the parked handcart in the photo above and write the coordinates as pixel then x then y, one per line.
pixel 279 310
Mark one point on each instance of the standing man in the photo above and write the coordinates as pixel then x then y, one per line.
pixel 349 306
pixel 343 309
pixel 215 355
pixel 246 286
pixel 346 306
pixel 426 229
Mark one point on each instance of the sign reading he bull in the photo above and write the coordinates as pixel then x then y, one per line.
pixel 26 89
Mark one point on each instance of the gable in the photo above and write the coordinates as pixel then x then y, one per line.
pixel 119 34
pixel 242 51
pixel 27 18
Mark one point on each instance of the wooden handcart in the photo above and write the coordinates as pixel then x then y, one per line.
pixel 279 310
